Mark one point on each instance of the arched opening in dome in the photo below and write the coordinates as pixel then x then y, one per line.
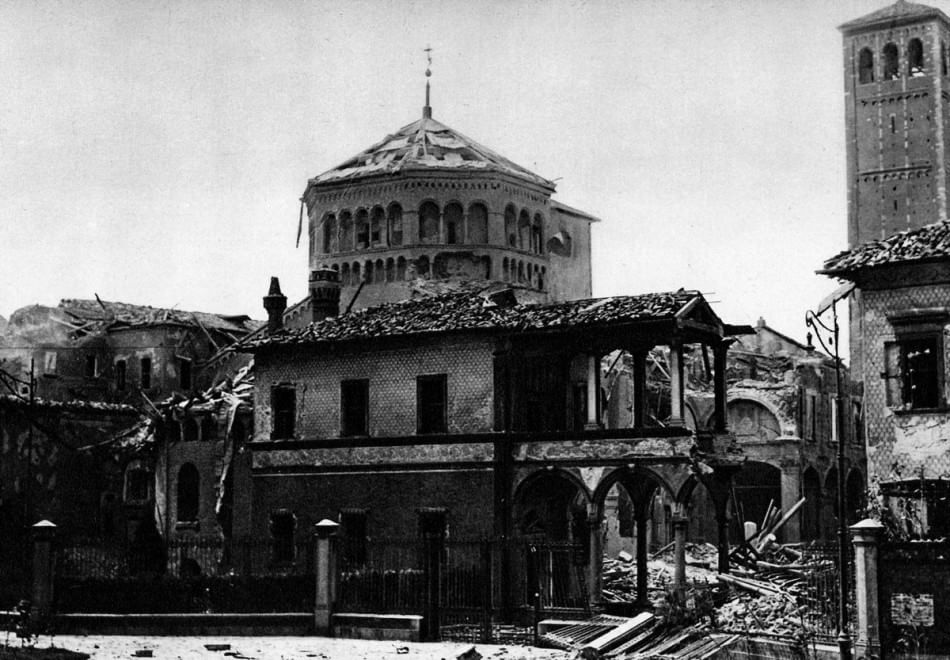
pixel 394 217
pixel 524 230
pixel 453 223
pixel 477 224
pixel 428 223
pixel 330 242
pixel 362 229
pixel 511 229
pixel 346 231
pixel 376 224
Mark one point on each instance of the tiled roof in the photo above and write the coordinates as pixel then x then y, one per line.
pixel 899 11
pixel 467 312
pixel 924 244
pixel 425 145
pixel 74 405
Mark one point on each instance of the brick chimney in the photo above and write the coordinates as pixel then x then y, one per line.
pixel 324 293
pixel 275 303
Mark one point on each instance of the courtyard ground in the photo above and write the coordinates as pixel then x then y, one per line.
pixel 283 648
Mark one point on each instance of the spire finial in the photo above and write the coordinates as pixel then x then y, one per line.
pixel 427 109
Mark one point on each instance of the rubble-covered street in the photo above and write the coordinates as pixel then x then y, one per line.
pixel 107 647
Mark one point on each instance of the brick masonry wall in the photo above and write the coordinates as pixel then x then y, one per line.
pixel 901 445
pixel 392 386
pixel 391 500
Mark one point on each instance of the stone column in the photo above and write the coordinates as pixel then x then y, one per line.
pixel 593 393
pixel 325 577
pixel 643 598
pixel 680 523
pixel 677 389
pixel 866 535
pixel 791 532
pixel 44 534
pixel 595 521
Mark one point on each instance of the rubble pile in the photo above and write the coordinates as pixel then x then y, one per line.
pixel 770 589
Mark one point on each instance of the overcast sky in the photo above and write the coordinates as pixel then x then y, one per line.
pixel 155 152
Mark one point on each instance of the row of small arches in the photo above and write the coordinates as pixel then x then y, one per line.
pixel 397 270
pixel 890 56
pixel 379 227
pixel 527 274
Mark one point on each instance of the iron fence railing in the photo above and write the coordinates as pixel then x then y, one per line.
pixel 821 594
pixel 185 558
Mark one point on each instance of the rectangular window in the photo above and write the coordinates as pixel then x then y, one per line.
pixel 49 362
pixel 913 369
pixel 184 373
pixel 92 366
pixel 354 407
pixel 146 373
pixel 283 411
pixel 431 399
pixel 809 417
pixel 353 528
pixel 120 375
pixel 432 522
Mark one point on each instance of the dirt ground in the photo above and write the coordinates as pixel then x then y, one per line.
pixel 285 648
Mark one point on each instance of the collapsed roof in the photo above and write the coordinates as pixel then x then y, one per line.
pixel 426 145
pixel 928 243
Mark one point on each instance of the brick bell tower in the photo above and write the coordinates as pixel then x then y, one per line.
pixel 897 91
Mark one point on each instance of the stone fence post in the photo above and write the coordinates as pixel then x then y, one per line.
pixel 325 570
pixel 866 536
pixel 44 534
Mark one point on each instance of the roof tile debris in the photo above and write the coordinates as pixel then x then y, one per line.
pixel 926 243
pixel 98 313
pixel 466 312
pixel 75 405
pixel 426 145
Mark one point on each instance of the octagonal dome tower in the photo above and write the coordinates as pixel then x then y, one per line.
pixel 428 203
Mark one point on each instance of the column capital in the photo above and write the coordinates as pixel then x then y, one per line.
pixel 866 532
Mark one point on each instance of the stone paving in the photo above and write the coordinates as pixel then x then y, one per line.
pixel 284 648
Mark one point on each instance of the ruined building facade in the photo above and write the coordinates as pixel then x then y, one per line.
pixel 896 66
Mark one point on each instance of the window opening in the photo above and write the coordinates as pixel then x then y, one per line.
pixel 184 373
pixel 189 482
pixel 120 375
pixel 354 407
pixel 511 230
pixel 453 223
pixel 865 66
pixel 375 227
pixel 284 411
pixel 190 429
pixel 346 231
pixel 146 373
pixel 329 234
pixel 137 485
pixel 891 66
pixel 431 403
pixel 92 366
pixel 913 369
pixel 915 58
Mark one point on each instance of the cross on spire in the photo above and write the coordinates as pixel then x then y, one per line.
pixel 427 109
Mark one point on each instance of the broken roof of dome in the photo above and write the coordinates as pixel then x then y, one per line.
pixel 900 11
pixel 927 243
pixel 468 312
pixel 422 146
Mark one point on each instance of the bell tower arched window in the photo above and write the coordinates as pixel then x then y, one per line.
pixel 865 66
pixel 915 58
pixel 891 62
